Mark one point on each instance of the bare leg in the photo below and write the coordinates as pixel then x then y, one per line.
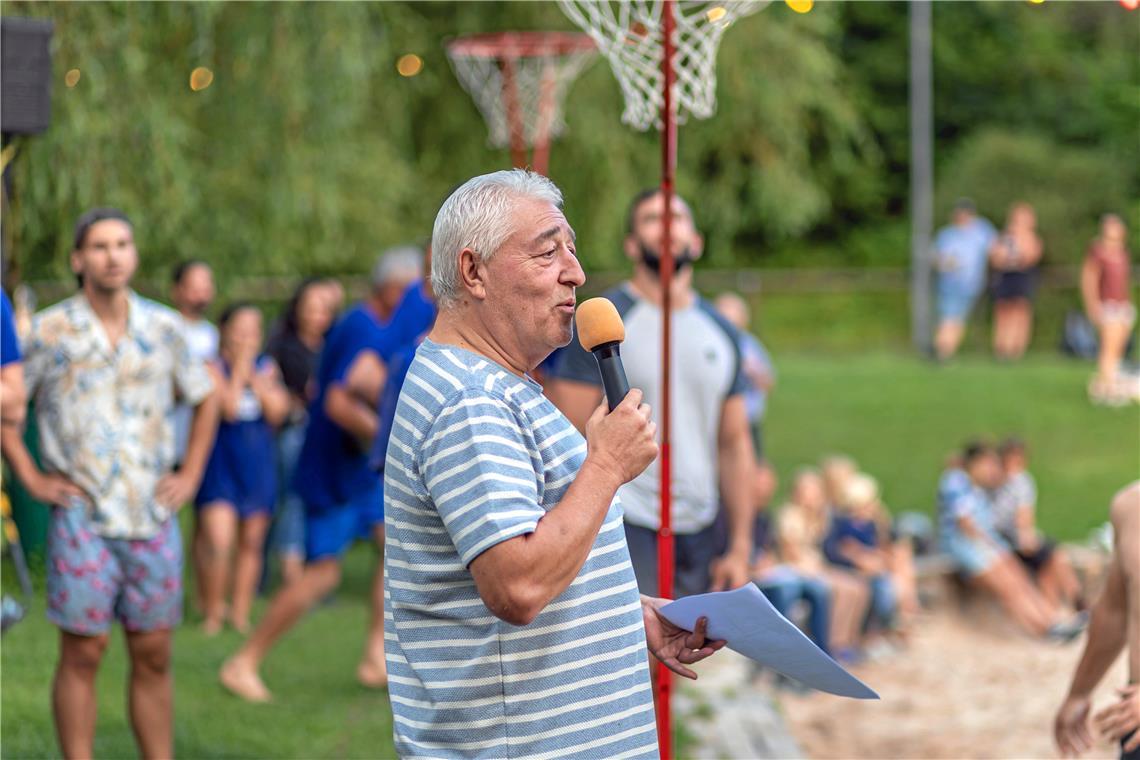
pixel 217 529
pixel 1003 329
pixel 1113 340
pixel 151 694
pixel 1058 582
pixel 239 673
pixel 292 565
pixel 1020 599
pixel 247 568
pixel 850 597
pixel 73 698
pixel 948 337
pixel 373 670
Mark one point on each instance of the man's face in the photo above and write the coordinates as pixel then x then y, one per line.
pixel 195 293
pixel 108 259
pixel 648 228
pixel 528 284
pixel 963 216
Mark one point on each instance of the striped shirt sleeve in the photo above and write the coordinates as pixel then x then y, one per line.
pixel 482 471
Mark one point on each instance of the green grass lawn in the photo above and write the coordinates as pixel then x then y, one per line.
pixel 897 416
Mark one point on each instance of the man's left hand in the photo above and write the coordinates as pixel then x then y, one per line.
pixel 729 572
pixel 174 489
pixel 675 646
pixel 1117 721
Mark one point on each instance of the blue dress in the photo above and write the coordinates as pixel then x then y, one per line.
pixel 242 469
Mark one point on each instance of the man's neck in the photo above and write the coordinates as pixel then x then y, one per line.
pixel 190 317
pixel 647 284
pixel 456 327
pixel 111 308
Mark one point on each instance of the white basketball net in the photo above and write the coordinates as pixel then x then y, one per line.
pixel 538 83
pixel 629 35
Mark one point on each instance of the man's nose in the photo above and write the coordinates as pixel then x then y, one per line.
pixel 574 274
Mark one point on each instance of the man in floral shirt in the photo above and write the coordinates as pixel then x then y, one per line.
pixel 104 368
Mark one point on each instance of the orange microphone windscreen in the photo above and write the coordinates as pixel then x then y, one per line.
pixel 598 322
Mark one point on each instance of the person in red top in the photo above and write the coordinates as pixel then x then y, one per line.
pixel 1107 296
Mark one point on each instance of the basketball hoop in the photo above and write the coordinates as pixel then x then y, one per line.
pixel 630 34
pixel 519 81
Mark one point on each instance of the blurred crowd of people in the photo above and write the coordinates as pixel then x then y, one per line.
pixel 970 251
pixel 277 435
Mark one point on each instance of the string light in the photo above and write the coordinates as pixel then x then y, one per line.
pixel 800 6
pixel 201 78
pixel 716 13
pixel 409 65
pixel 71 78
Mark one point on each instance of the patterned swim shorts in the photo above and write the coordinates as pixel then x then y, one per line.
pixel 92 580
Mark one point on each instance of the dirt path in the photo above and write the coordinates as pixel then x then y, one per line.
pixel 968 686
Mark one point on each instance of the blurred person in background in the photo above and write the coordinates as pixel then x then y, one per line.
pixel 802 525
pixel 756 364
pixel 239 488
pixel 1015 515
pixel 713 460
pixel 296 348
pixel 837 471
pixel 968 534
pixel 105 368
pixel 192 292
pixel 856 544
pixel 1014 256
pixel 783 584
pixel 1114 625
pixel 1107 295
pixel 13 393
pixel 960 252
pixel 343 494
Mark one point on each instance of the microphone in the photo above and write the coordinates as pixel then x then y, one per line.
pixel 601 332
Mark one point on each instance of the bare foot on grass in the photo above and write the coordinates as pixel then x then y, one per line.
pixel 241 679
pixel 372 675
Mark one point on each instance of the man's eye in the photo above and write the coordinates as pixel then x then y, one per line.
pixel 550 254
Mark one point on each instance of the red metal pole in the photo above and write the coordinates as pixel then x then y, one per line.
pixel 665 531
pixel 514 113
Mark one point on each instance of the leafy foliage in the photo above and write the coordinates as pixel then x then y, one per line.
pixel 309 153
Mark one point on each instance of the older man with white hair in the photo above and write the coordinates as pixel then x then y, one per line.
pixel 514 623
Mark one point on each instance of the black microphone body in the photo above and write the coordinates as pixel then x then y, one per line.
pixel 613 372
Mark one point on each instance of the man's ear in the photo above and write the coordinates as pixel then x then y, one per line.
pixel 76 262
pixel 472 274
pixel 631 248
pixel 698 246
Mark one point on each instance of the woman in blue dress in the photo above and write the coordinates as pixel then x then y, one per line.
pixel 239 488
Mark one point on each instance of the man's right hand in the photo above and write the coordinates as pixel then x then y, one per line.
pixel 622 442
pixel 1071 726
pixel 55 490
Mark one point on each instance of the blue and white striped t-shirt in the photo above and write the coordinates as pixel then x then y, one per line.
pixel 478 456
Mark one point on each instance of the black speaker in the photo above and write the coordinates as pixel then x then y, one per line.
pixel 25 75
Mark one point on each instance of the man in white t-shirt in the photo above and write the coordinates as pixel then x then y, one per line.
pixel 712 452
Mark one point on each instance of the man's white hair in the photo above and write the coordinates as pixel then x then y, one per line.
pixel 480 216
pixel 404 262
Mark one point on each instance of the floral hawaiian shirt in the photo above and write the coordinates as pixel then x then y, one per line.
pixel 103 410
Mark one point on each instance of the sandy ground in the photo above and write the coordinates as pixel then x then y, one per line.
pixel 968 686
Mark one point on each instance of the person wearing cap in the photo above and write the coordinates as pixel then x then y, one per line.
pixel 515 624
pixel 961 251
pixel 105 368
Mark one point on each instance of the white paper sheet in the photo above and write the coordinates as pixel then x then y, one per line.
pixel 753 627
